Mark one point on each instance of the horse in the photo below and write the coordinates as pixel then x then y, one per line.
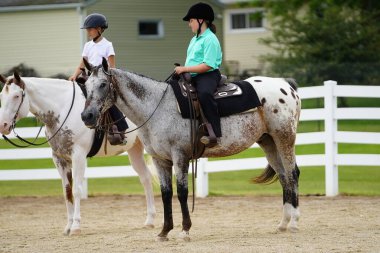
pixel 151 105
pixel 50 101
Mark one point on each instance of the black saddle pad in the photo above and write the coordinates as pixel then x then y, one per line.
pixel 226 106
pixel 97 143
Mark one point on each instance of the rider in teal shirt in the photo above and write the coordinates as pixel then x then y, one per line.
pixel 204 49
pixel 204 57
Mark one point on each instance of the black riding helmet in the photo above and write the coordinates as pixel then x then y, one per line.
pixel 200 11
pixel 95 20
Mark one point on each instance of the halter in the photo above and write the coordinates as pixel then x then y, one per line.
pixel 13 126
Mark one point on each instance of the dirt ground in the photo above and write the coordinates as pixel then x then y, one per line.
pixel 220 224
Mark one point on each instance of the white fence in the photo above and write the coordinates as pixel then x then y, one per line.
pixel 330 114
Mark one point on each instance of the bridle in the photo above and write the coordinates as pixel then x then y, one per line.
pixel 13 126
pixel 113 90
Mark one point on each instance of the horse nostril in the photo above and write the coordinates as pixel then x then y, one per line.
pixel 5 124
pixel 87 116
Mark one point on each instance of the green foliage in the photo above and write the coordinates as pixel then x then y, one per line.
pixel 317 40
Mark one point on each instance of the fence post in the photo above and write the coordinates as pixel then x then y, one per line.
pixel 202 179
pixel 84 194
pixel 331 147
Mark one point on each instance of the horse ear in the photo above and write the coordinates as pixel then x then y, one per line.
pixel 18 82
pixel 17 76
pixel 3 79
pixel 105 64
pixel 88 66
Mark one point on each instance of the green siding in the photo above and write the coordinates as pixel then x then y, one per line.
pixel 45 40
pixel 152 57
pixel 50 40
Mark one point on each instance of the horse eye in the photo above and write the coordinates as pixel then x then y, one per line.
pixel 102 85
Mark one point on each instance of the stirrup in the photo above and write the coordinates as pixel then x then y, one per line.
pixel 209 141
pixel 116 138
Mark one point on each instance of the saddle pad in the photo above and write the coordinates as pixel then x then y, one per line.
pixel 97 143
pixel 226 106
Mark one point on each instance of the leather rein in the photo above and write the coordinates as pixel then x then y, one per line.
pixel 13 126
pixel 112 91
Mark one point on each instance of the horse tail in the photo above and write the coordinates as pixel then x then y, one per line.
pixel 268 176
pixel 292 82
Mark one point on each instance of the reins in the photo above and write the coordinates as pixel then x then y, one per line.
pixel 113 81
pixel 33 142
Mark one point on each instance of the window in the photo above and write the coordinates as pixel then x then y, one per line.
pixel 245 20
pixel 150 29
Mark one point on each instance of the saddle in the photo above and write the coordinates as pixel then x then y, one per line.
pixel 223 89
pixel 189 91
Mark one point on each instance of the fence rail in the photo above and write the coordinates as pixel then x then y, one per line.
pixel 330 137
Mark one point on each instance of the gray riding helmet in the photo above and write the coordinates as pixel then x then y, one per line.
pixel 95 20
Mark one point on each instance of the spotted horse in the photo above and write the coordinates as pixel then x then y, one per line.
pixel 166 134
pixel 50 101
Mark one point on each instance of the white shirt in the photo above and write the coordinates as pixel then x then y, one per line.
pixel 96 51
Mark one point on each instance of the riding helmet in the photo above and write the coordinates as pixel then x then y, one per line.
pixel 95 20
pixel 200 11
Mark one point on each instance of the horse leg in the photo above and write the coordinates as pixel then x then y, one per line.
pixel 164 169
pixel 79 164
pixel 136 157
pixel 289 181
pixel 181 168
pixel 66 177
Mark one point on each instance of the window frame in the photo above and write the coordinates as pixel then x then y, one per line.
pixel 246 12
pixel 160 29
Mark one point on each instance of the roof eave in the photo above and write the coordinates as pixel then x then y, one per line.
pixel 47 7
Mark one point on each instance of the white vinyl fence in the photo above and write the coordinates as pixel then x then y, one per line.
pixel 330 114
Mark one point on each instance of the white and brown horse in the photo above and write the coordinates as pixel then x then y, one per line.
pixel 166 134
pixel 50 101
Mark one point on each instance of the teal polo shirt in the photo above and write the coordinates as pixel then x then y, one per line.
pixel 204 49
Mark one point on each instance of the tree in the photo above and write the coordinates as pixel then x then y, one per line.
pixel 317 40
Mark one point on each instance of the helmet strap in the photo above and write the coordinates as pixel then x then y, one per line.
pixel 97 37
pixel 200 26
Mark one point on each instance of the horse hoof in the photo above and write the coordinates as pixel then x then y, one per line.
pixel 75 232
pixel 162 239
pixel 66 232
pixel 184 235
pixel 293 229
pixel 149 226
pixel 281 229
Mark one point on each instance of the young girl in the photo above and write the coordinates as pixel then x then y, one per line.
pixel 204 57
pixel 94 51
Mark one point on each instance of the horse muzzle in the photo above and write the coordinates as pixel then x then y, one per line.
pixel 5 128
pixel 89 117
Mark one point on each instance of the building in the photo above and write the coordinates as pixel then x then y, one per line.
pixel 149 36
pixel 243 26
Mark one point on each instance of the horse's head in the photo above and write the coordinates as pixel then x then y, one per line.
pixel 100 95
pixel 14 103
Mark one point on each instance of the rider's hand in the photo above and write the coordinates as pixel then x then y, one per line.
pixel 72 78
pixel 180 69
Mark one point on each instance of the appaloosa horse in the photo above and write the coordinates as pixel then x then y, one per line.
pixel 50 101
pixel 166 134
